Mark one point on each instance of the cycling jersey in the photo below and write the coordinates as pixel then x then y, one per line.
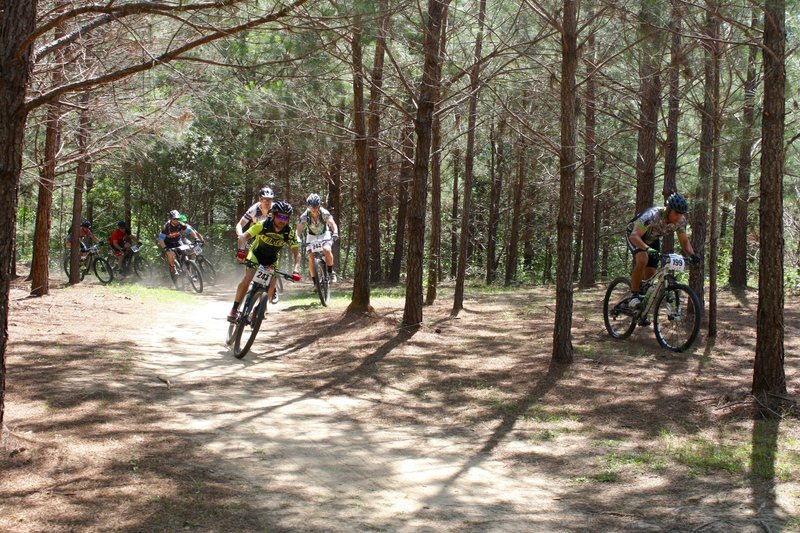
pixel 267 242
pixel 653 224
pixel 254 215
pixel 320 226
pixel 118 237
pixel 171 234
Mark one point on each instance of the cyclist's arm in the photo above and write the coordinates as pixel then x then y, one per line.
pixel 161 243
pixel 332 225
pixel 93 237
pixel 298 231
pixel 686 245
pixel 296 257
pixel 637 239
pixel 240 224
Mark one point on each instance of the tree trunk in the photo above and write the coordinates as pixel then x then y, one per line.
pixel 428 96
pixel 649 105
pixel 81 174
pixel 335 187
pixel 673 114
pixel 713 242
pixel 360 302
pixel 699 210
pixel 516 216
pixel 454 222
pixel 588 266
pixel 769 378
pixel 373 134
pixel 17 21
pixel 435 246
pixel 494 202
pixel 404 179
pixel 562 327
pixel 738 274
pixel 469 164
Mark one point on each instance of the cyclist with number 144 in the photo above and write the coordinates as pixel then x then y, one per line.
pixel 320 226
pixel 269 237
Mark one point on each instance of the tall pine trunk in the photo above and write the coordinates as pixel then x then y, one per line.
pixel 673 114
pixel 404 180
pixel 769 378
pixel 428 95
pixel 588 266
pixel 562 328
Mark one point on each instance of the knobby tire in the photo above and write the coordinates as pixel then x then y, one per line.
pixel 676 318
pixel 619 323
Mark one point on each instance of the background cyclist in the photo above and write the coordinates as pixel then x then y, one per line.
pixel 320 226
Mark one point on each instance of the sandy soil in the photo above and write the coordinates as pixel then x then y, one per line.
pixel 126 412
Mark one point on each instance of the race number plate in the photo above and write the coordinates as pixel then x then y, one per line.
pixel 317 246
pixel 676 262
pixel 262 275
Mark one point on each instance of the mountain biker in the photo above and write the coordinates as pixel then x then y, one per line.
pixel 269 237
pixel 85 232
pixel 320 226
pixel 170 237
pixel 120 241
pixel 258 212
pixel 644 234
pixel 190 232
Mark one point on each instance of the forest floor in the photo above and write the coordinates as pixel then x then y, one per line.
pixel 125 412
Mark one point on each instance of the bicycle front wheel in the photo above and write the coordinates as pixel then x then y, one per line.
pixel 102 269
pixel 248 323
pixel 195 277
pixel 677 318
pixel 81 267
pixel 620 319
pixel 323 287
pixel 141 266
pixel 209 273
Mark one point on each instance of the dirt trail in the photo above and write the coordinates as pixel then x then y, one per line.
pixel 348 424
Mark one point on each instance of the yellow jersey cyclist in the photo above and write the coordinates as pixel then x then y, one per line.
pixel 269 237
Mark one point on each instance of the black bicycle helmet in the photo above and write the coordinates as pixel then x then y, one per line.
pixel 86 223
pixel 121 224
pixel 174 214
pixel 282 207
pixel 265 192
pixel 677 203
pixel 313 200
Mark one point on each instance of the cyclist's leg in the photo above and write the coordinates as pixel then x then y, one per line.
pixel 241 290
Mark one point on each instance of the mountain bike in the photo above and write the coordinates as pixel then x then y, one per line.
pixel 185 269
pixel 320 275
pixel 676 308
pixel 91 261
pixel 133 259
pixel 252 310
pixel 205 266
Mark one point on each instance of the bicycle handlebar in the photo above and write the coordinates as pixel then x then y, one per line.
pixel 284 275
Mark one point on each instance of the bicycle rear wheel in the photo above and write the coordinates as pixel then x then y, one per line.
pixel 195 276
pixel 81 267
pixel 620 320
pixel 102 269
pixel 677 318
pixel 322 285
pixel 209 273
pixel 141 266
pixel 249 322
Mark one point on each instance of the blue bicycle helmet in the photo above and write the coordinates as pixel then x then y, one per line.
pixel 677 203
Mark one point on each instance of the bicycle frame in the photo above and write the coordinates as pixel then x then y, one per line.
pixel 664 278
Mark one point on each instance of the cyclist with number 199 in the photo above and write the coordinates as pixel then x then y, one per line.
pixel 644 234
pixel 269 237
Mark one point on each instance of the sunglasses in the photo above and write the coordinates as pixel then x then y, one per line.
pixel 281 216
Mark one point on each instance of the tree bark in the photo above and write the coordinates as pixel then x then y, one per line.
pixel 454 222
pixel 17 21
pixel 769 377
pixel 673 113
pixel 469 164
pixel 588 266
pixel 428 96
pixel 562 327
pixel 373 135
pixel 649 104
pixel 738 273
pixel 516 216
pixel 404 180
pixel 360 302
pixel 81 174
pixel 494 202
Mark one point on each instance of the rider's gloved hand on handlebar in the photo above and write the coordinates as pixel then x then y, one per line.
pixel 296 276
pixel 335 237
pixel 241 254
pixel 652 252
pixel 694 259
